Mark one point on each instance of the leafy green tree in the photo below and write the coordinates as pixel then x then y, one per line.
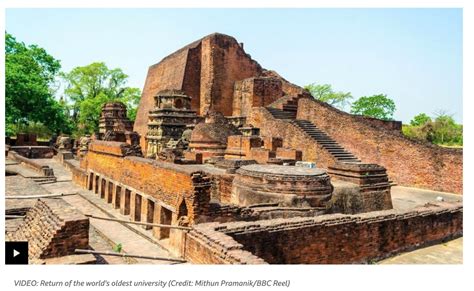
pixel 326 94
pixel 446 131
pixel 30 73
pixel 441 130
pixel 420 119
pixel 377 106
pixel 89 87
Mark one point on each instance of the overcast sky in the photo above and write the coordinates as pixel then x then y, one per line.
pixel 412 55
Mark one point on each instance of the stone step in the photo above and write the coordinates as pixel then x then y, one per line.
pixel 346 158
pixel 338 151
pixel 322 139
pixel 319 135
pixel 280 114
pixel 290 108
pixel 310 129
pixel 344 155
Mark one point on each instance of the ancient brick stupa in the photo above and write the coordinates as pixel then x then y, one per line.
pixel 286 186
pixel 210 137
pixel 113 120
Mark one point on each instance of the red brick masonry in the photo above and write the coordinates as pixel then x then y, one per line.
pixel 326 239
pixel 53 229
pixel 408 162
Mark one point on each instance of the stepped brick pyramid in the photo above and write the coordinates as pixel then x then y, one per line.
pixel 53 228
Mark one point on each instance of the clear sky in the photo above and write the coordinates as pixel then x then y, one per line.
pixel 412 55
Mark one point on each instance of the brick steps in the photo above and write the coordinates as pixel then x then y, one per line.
pixel 323 139
pixel 281 114
pixel 43 179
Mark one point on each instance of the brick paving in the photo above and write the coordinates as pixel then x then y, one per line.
pixel 116 233
pixel 61 173
pixel 107 233
pixel 450 252
pixel 405 198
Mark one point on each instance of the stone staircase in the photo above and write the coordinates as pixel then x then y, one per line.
pixel 44 179
pixel 329 144
pixel 288 113
pixel 285 107
pixel 282 114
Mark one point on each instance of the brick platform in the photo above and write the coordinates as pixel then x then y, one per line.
pixel 53 228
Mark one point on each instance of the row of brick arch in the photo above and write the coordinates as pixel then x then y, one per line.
pixel 138 206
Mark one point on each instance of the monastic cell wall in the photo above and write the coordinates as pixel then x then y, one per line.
pixel 255 92
pixel 165 183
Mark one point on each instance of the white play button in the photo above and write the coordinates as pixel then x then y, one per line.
pixel 16 252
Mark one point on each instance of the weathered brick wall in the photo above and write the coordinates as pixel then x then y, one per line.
pixel 205 70
pixel 111 148
pixel 34 152
pixel 167 74
pixel 289 89
pixel 44 170
pixel 223 62
pixel 408 162
pixel 204 246
pixel 166 182
pixel 225 187
pixel 26 139
pixel 53 228
pixel 326 239
pixel 192 77
pixel 255 92
pixel 291 135
pixel 286 153
pixel 260 155
pixel 387 124
pixel 79 176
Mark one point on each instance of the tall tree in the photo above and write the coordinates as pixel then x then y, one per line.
pixel 377 106
pixel 446 131
pixel 29 75
pixel 420 119
pixel 326 94
pixel 89 87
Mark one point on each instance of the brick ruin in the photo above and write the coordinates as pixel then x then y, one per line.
pixel 325 239
pixel 217 73
pixel 53 229
pixel 168 120
pixel 260 171
pixel 113 119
